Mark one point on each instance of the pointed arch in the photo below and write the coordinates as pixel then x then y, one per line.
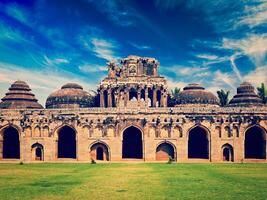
pixel 37 152
pixel 198 142
pixel 66 143
pixel 166 151
pixel 99 150
pixel 227 153
pixel 10 142
pixel 255 143
pixel 132 143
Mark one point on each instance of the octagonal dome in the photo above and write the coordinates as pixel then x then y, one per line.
pixel 71 95
pixel 196 94
pixel 20 96
pixel 246 96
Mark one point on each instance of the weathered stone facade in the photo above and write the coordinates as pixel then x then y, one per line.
pixel 135 126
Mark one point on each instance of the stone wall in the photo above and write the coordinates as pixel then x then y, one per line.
pixel 104 127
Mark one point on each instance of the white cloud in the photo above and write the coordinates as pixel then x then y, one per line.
pixel 41 82
pixel 191 70
pixel 254 46
pixel 207 56
pixel 140 47
pixel 235 69
pixel 257 76
pixel 17 12
pixel 221 79
pixel 104 48
pixel 254 15
pixel 55 61
pixel 173 84
pixel 92 68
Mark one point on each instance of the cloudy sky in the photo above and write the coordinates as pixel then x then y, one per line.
pixel 218 43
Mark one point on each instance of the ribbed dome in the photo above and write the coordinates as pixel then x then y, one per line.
pixel 20 97
pixel 246 96
pixel 71 95
pixel 196 94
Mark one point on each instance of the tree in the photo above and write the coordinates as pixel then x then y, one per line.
pixel 223 97
pixel 95 98
pixel 262 92
pixel 174 96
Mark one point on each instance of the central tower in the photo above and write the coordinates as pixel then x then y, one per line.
pixel 135 82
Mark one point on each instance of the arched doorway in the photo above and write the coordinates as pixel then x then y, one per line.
pixel 255 143
pixel 198 143
pixel 227 153
pixel 99 151
pixel 66 142
pixel 11 144
pixel 132 145
pixel 37 152
pixel 165 151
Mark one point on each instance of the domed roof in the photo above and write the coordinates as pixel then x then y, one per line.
pixel 20 97
pixel 246 96
pixel 71 95
pixel 196 94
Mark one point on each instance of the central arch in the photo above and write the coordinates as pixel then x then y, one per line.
pixel 11 144
pixel 227 153
pixel 99 151
pixel 132 144
pixel 66 142
pixel 37 152
pixel 165 151
pixel 198 143
pixel 255 143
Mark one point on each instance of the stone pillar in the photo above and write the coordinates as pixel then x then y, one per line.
pixel 126 97
pixel 161 104
pixel 146 94
pixel 101 98
pixel 139 95
pixel 154 97
pixel 109 98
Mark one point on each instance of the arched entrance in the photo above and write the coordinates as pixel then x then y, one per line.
pixel 132 145
pixel 227 153
pixel 37 152
pixel 198 143
pixel 11 144
pixel 66 142
pixel 99 151
pixel 255 143
pixel 165 151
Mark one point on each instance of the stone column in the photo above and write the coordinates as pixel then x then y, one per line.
pixel 139 95
pixel 126 97
pixel 154 97
pixel 101 98
pixel 109 98
pixel 146 94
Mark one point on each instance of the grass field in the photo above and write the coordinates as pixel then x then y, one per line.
pixel 133 181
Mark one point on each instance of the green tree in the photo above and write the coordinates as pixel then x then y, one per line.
pixel 174 96
pixel 262 92
pixel 223 97
pixel 94 98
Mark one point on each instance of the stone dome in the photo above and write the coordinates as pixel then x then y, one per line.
pixel 20 96
pixel 196 94
pixel 246 96
pixel 71 95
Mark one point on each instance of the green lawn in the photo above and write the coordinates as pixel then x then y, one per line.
pixel 133 181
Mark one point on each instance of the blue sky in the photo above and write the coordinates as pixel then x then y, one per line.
pixel 218 43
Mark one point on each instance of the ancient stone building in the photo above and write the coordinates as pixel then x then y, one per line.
pixel 130 120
